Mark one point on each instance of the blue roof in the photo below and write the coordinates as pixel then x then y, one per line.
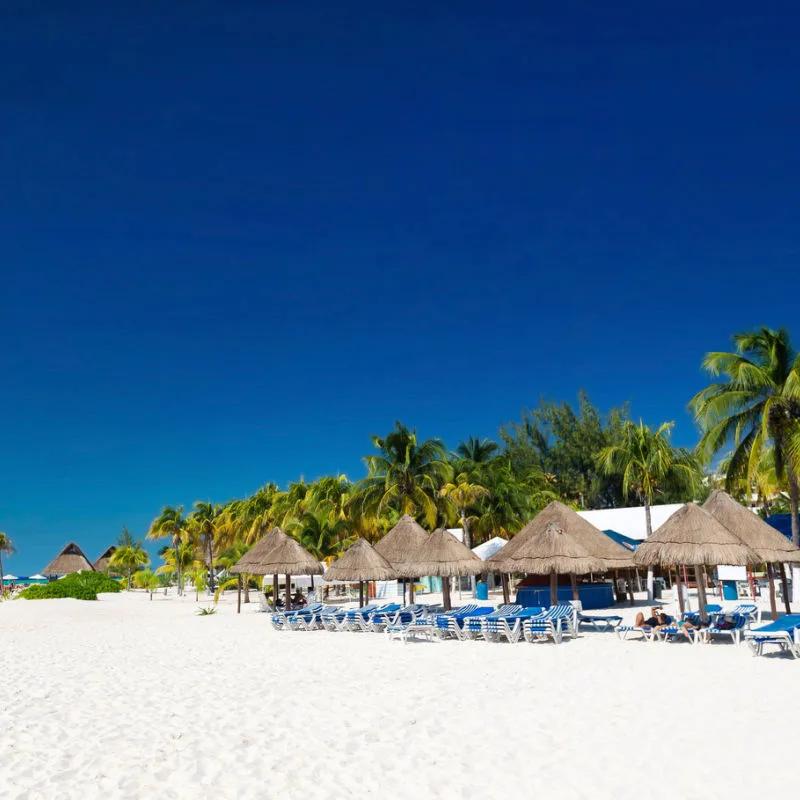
pixel 782 523
pixel 625 541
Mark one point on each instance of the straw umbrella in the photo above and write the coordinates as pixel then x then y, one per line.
pixel 771 545
pixel 70 559
pixel 401 546
pixel 445 557
pixel 286 556
pixel 612 555
pixel 691 536
pixel 360 562
pixel 252 562
pixel 548 551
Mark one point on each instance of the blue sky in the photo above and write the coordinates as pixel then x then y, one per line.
pixel 238 240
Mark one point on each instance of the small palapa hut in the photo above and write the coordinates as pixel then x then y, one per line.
pixel 70 559
pixel 443 556
pixel 549 551
pixel 692 537
pixel 101 565
pixel 360 562
pixel 401 547
pixel 771 545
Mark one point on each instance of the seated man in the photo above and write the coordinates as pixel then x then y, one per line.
pixel 657 619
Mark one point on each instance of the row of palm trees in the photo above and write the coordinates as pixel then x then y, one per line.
pixel 752 407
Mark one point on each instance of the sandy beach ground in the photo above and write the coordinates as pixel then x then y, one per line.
pixel 128 698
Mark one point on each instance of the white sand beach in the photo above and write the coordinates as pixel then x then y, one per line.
pixel 127 698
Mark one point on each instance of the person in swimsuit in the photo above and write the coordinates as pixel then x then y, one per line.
pixel 657 619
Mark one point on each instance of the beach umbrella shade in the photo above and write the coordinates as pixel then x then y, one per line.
pixel 70 559
pixel 693 537
pixel 360 562
pixel 252 562
pixel 401 546
pixel 443 556
pixel 771 546
pixel 550 551
pixel 10 577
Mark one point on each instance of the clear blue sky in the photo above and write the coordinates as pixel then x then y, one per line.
pixel 239 238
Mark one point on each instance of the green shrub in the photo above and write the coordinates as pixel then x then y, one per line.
pixel 79 585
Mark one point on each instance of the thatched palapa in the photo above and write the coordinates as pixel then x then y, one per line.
pixel 402 545
pixel 444 556
pixel 101 565
pixel 548 551
pixel 691 536
pixel 771 545
pixel 591 539
pixel 360 562
pixel 70 559
pixel 253 561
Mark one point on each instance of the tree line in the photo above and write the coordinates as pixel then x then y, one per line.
pixel 749 419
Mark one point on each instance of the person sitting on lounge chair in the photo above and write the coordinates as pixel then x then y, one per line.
pixel 657 619
pixel 691 624
pixel 298 600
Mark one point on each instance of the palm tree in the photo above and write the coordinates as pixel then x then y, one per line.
pixel 406 474
pixel 756 406
pixel 172 523
pixel 648 464
pixel 321 537
pixel 179 561
pixel 145 579
pixel 477 451
pixel 205 526
pixel 464 495
pixel 7 547
pixel 129 558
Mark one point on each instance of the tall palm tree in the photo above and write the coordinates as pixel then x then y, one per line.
pixel 648 464
pixel 323 538
pixel 129 558
pixel 205 526
pixel 172 523
pixel 464 495
pixel 755 406
pixel 7 547
pixel 477 451
pixel 406 474
pixel 179 561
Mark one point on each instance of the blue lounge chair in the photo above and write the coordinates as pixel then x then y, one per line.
pixel 452 626
pixel 553 624
pixel 508 627
pixel 359 619
pixel 473 626
pixel 279 618
pixel 719 627
pixel 338 620
pixel 601 623
pixel 380 619
pixel 425 626
pixel 783 632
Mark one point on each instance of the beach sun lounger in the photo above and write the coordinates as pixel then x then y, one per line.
pixel 452 626
pixel 473 626
pixel 423 627
pixel 783 632
pixel 553 624
pixel 600 623
pixel 508 627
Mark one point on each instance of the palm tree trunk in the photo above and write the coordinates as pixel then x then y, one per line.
pixel 699 578
pixel 649 526
pixel 506 592
pixel 785 587
pixel 2 579
pixel 553 588
pixel 446 594
pixel 211 565
pixel 129 578
pixel 468 544
pixel 773 605
pixel 178 575
pixel 794 491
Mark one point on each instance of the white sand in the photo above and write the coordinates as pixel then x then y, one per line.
pixel 129 698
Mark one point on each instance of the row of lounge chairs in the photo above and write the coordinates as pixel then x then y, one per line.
pixel 509 622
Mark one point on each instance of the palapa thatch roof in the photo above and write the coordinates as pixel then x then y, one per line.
pixel 444 556
pixel 546 551
pixel 102 560
pixel 252 561
pixel 593 540
pixel 70 559
pixel 360 562
pixel 401 546
pixel 771 545
pixel 692 536
pixel 286 556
